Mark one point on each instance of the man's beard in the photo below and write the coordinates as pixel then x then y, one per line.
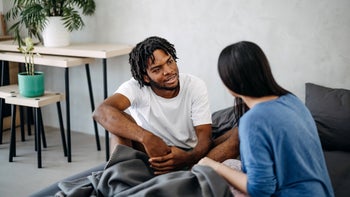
pixel 160 87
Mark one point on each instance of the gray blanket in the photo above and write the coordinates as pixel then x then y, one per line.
pixel 127 173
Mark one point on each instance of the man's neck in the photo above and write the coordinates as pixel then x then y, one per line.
pixel 166 93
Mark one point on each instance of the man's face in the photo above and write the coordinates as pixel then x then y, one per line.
pixel 162 73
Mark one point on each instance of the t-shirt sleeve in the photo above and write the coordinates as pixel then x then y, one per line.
pixel 128 89
pixel 200 107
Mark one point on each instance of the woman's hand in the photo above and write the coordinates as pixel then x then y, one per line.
pixel 235 178
pixel 206 161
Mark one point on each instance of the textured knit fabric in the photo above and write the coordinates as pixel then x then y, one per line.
pixel 128 174
pixel 171 119
pixel 281 151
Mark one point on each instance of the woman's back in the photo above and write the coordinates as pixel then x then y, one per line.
pixel 280 150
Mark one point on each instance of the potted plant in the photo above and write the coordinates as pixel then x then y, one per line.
pixel 35 16
pixel 31 83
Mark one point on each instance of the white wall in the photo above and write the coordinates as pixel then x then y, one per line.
pixel 305 41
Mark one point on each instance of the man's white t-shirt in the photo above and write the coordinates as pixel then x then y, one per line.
pixel 172 119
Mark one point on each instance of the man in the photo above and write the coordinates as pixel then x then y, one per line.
pixel 170 116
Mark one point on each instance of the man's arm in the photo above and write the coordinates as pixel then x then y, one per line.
pixel 178 159
pixel 203 133
pixel 110 114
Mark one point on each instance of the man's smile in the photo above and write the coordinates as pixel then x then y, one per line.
pixel 172 79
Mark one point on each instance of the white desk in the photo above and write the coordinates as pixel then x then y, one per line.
pixel 47 60
pixel 92 50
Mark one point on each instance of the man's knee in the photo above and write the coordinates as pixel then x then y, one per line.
pixel 115 140
pixel 228 144
pixel 233 140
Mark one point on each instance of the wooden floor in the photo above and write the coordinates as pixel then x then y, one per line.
pixel 22 177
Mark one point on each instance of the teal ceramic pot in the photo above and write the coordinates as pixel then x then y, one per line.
pixel 31 85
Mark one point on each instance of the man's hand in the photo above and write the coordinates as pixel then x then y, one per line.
pixel 154 146
pixel 177 159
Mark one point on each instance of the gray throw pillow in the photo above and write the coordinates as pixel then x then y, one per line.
pixel 222 121
pixel 330 107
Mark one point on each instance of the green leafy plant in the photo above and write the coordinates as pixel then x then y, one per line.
pixel 32 15
pixel 28 51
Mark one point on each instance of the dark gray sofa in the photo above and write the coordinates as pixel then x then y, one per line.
pixel 330 107
pixel 331 111
pixel 338 164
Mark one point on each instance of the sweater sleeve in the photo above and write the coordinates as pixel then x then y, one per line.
pixel 257 158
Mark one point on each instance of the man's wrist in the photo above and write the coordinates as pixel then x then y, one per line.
pixel 145 135
pixel 196 155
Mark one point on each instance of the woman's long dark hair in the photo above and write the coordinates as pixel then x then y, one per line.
pixel 245 70
pixel 138 57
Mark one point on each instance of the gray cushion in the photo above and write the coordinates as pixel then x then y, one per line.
pixel 330 107
pixel 338 165
pixel 222 121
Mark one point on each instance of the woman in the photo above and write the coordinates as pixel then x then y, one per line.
pixel 280 150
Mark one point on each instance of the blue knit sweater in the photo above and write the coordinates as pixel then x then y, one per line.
pixel 281 151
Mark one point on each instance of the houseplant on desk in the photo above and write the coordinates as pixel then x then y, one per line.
pixel 37 16
pixel 31 83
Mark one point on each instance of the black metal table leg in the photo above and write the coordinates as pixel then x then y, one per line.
pixel 42 129
pixel 63 137
pixel 1 119
pixel 38 136
pixel 2 100
pixel 92 103
pixel 69 148
pixel 29 123
pixel 13 134
pixel 21 115
pixel 105 91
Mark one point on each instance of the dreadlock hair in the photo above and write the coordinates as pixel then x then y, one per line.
pixel 143 51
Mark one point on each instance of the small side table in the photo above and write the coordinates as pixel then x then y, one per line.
pixel 37 102
pixel 62 62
